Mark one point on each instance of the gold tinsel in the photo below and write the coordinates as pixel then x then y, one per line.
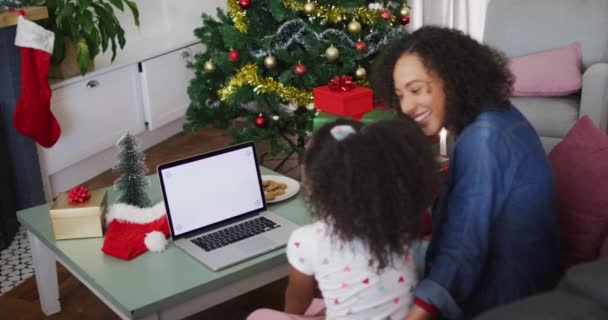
pixel 331 13
pixel 248 75
pixel 335 14
pixel 239 16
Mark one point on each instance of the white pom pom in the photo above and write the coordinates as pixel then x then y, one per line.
pixel 155 241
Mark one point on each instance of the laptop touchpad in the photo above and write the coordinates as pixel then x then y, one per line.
pixel 255 244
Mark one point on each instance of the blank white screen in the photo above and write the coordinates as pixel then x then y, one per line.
pixel 213 189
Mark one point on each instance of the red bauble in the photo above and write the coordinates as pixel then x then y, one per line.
pixel 299 69
pixel 78 194
pixel 244 4
pixel 260 121
pixel 386 15
pixel 404 20
pixel 234 55
pixel 361 46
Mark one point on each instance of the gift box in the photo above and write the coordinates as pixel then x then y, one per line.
pixel 323 118
pixel 78 220
pixel 343 103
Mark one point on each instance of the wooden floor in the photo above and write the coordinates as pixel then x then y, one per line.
pixel 77 302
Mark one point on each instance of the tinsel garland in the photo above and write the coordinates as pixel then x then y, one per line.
pixel 239 16
pixel 331 13
pixel 248 75
pixel 292 31
pixel 338 14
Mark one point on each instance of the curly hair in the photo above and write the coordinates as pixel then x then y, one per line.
pixel 373 185
pixel 474 75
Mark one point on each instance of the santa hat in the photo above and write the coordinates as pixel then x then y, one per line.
pixel 132 230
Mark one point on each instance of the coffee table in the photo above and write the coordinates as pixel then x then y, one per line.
pixel 166 285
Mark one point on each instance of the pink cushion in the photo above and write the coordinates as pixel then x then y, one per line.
pixel 604 249
pixel 580 164
pixel 554 72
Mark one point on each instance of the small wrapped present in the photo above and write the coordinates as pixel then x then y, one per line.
pixel 342 97
pixel 323 118
pixel 75 215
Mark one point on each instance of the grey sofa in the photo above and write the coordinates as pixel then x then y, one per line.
pixel 520 27
pixel 582 294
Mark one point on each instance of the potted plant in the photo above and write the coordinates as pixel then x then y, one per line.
pixel 88 27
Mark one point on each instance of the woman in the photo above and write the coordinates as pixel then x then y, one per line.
pixel 494 234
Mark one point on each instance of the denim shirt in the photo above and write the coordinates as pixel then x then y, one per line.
pixel 495 234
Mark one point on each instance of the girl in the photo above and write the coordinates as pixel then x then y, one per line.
pixel 368 187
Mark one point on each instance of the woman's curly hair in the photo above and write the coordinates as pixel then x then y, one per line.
pixel 475 76
pixel 373 185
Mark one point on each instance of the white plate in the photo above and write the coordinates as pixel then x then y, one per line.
pixel 292 187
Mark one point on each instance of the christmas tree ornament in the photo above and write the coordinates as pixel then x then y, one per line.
pixel 78 194
pixel 260 121
pixel 209 66
pixel 133 230
pixel 405 10
pixel 310 8
pixel 299 69
pixel 404 20
pixel 275 117
pixel 244 4
pixel 33 116
pixel 332 53
pixel 310 107
pixel 361 46
pixel 386 15
pixel 354 27
pixel 270 61
pixel 234 55
pixel 360 73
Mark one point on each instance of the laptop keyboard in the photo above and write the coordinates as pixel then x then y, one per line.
pixel 244 230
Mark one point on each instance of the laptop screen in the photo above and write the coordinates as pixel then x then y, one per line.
pixel 211 188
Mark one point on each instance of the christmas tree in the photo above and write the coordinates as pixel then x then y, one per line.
pixel 132 182
pixel 264 57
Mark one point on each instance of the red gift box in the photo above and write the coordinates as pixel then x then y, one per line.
pixel 356 101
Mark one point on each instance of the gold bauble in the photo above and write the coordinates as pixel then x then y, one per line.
pixel 209 66
pixel 360 73
pixel 354 27
pixel 405 11
pixel 332 53
pixel 310 8
pixel 270 61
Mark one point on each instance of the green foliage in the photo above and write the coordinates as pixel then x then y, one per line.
pixel 90 25
pixel 9 4
pixel 132 182
pixel 292 37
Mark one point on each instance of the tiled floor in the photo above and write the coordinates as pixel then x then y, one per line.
pixel 15 262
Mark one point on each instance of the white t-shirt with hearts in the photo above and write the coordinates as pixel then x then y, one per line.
pixel 351 288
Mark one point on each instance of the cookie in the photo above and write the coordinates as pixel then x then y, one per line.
pixel 272 186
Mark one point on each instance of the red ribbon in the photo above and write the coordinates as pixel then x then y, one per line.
pixel 78 194
pixel 21 12
pixel 342 83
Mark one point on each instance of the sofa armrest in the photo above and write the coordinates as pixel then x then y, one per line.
pixel 588 280
pixel 594 96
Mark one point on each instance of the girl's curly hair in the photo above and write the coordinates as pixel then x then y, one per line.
pixel 475 76
pixel 373 185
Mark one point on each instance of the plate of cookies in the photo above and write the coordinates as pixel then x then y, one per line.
pixel 279 188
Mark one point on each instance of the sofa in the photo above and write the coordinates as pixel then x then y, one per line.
pixel 523 27
pixel 582 294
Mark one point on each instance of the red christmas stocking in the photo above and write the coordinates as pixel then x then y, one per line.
pixel 33 116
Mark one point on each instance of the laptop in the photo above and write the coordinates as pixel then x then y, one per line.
pixel 216 208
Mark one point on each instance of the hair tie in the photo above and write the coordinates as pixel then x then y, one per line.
pixel 342 131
